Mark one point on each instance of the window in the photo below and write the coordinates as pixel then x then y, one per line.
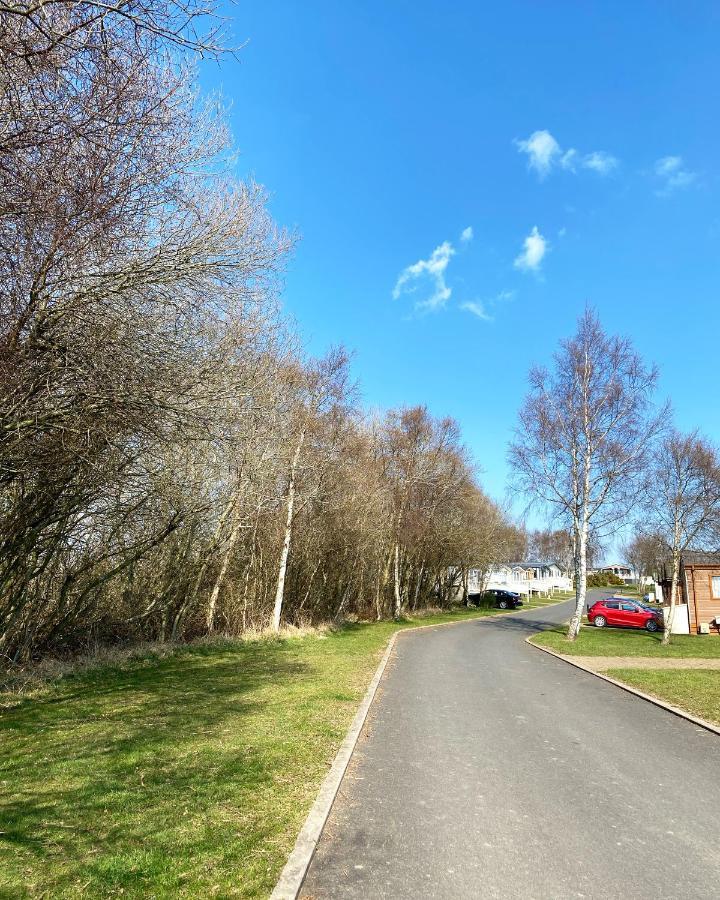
pixel 629 607
pixel 612 605
pixel 716 587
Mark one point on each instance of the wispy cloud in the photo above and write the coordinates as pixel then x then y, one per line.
pixel 481 309
pixel 477 308
pixel 467 234
pixel 672 173
pixel 545 154
pixel 599 162
pixel 534 249
pixel 427 275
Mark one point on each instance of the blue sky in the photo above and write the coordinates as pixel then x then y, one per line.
pixel 577 141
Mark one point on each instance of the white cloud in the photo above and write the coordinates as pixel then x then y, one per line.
pixel 600 162
pixel 667 165
pixel 429 273
pixel 534 249
pixel 542 150
pixel 672 172
pixel 569 160
pixel 545 154
pixel 477 309
pixel 481 308
pixel 467 234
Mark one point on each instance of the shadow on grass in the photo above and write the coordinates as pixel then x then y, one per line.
pixel 110 771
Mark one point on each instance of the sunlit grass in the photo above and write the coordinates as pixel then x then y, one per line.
pixel 187 775
pixel 629 642
pixel 695 690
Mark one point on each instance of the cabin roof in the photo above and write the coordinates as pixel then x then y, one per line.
pixel 700 558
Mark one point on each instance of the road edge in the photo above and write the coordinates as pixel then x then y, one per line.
pixel 295 869
pixel 675 710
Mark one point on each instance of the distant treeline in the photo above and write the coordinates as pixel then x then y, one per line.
pixel 171 462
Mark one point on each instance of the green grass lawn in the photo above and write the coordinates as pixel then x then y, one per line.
pixel 629 642
pixel 185 775
pixel 695 690
pixel 539 602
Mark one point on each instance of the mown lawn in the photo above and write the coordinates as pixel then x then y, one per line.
pixel 538 602
pixel 629 642
pixel 187 775
pixel 696 690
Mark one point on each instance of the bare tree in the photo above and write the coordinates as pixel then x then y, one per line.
pixel 129 263
pixel 646 552
pixel 557 545
pixel 684 502
pixel 171 464
pixel 322 390
pixel 582 438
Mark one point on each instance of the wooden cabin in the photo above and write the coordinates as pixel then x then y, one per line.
pixel 700 589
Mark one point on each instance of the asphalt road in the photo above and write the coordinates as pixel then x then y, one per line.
pixel 490 769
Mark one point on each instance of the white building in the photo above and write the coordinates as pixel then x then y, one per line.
pixel 627 573
pixel 621 570
pixel 531 577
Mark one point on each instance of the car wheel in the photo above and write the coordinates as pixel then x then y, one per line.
pixel 651 625
pixel 503 604
pixel 600 622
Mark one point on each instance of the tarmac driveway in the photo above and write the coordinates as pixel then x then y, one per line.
pixel 490 769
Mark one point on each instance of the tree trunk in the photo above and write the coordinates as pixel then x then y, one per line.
pixel 282 569
pixel 398 597
pixel 669 618
pixel 580 580
pixel 248 571
pixel 418 584
pixel 232 540
pixel 309 588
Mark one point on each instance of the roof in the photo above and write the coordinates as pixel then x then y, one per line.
pixel 700 558
pixel 534 564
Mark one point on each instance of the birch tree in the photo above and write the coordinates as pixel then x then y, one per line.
pixel 322 390
pixel 583 437
pixel 685 502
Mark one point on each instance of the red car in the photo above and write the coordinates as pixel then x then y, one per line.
pixel 621 611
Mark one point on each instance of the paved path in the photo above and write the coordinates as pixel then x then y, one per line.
pixel 490 769
pixel 602 663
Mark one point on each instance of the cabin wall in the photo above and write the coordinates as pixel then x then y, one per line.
pixel 702 606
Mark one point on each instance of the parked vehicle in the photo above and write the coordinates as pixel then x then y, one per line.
pixel 624 612
pixel 502 599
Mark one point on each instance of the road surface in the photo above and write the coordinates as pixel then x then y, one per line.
pixel 490 769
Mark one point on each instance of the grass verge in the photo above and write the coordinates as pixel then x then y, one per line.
pixel 183 775
pixel 629 642
pixel 694 690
